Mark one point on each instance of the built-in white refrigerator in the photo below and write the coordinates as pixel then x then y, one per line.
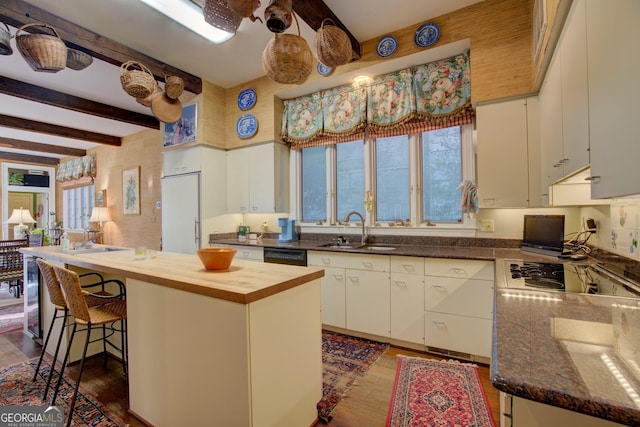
pixel 181 229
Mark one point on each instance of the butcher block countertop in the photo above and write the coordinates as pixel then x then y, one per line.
pixel 244 282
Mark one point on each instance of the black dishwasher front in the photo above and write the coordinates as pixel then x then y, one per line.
pixel 285 256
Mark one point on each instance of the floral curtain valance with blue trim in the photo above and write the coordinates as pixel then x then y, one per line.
pixel 416 99
pixel 77 168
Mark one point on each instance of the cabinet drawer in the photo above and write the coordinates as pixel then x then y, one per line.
pixel 466 297
pixel 249 253
pixel 407 264
pixel 458 333
pixel 352 261
pixel 468 269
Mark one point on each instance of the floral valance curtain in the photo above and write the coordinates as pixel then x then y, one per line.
pixel 416 99
pixel 78 168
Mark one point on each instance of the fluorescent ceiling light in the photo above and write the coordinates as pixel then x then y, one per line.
pixel 189 15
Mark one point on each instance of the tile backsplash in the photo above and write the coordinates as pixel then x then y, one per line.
pixel 625 228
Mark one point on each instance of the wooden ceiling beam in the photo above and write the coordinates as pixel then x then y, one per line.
pixel 54 98
pixel 19 144
pixel 18 13
pixel 40 160
pixel 313 12
pixel 63 131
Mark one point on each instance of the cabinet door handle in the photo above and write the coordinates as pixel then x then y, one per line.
pixel 326 261
pixel 400 283
pixel 439 288
pixel 408 267
pixel 254 208
pixel 459 271
pixel 245 254
pixel 338 277
pixel 243 208
pixel 368 265
pixel 354 279
pixel 440 324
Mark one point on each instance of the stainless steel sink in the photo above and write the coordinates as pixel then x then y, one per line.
pixel 379 248
pixel 335 246
pixel 93 250
pixel 364 247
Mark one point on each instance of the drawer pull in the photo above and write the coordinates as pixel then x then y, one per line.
pixel 400 283
pixel 245 254
pixel 459 271
pixel 326 261
pixel 440 324
pixel 439 288
pixel 354 279
pixel 368 265
pixel 338 277
pixel 408 267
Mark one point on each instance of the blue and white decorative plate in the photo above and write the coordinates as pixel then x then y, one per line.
pixel 246 126
pixel 386 46
pixel 427 34
pixel 323 70
pixel 246 99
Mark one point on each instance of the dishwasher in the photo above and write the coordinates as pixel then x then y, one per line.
pixel 285 256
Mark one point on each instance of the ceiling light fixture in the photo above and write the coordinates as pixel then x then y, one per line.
pixel 190 16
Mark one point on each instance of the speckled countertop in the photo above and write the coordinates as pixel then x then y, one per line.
pixel 575 351
pixel 551 347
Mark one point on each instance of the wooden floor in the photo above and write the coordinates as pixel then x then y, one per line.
pixel 366 404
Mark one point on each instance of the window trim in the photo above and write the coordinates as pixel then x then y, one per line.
pixel 466 228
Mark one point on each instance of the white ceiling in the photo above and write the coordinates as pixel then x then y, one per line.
pixel 136 25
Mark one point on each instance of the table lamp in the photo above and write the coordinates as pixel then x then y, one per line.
pixel 100 214
pixel 20 216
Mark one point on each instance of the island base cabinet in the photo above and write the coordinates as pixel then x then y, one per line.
pixel 197 360
pixel 458 333
pixel 519 412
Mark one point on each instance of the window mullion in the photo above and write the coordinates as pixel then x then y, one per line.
pixel 331 161
pixel 369 178
pixel 415 179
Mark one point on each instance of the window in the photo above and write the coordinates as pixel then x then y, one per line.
pixel 314 184
pixel 335 178
pixel 441 175
pixel 77 205
pixel 392 178
pixel 349 177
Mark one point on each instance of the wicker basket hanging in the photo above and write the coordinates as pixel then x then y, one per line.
pixel 146 101
pixel 78 60
pixel 139 82
pixel 245 8
pixel 43 52
pixel 218 14
pixel 287 58
pixel 173 86
pixel 5 37
pixel 332 44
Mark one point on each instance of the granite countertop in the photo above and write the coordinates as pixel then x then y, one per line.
pixel 564 349
pixel 244 282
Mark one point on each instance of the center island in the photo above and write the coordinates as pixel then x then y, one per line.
pixel 237 347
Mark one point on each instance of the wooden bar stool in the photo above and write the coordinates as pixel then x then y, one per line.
pixel 89 318
pixel 101 297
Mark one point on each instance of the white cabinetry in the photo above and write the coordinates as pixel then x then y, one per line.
pixel 519 412
pixel 613 67
pixel 258 179
pixel 459 305
pixel 564 103
pixel 507 136
pixel 246 253
pixel 407 299
pixel 360 284
pixel 193 186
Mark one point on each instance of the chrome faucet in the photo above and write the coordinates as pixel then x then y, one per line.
pixel 346 219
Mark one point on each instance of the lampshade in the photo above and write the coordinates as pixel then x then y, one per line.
pixel 100 214
pixel 20 216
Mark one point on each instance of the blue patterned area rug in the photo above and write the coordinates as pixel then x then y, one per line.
pixel 18 390
pixel 344 359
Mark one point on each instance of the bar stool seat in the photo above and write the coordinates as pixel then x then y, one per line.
pixel 101 297
pixel 88 318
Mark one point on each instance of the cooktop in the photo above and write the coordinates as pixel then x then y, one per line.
pixel 596 279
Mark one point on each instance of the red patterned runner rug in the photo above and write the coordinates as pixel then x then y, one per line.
pixel 437 393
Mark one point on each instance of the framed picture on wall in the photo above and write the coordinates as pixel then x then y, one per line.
pixel 182 131
pixel 131 191
pixel 101 198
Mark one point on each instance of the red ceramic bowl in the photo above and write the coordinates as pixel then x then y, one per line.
pixel 216 258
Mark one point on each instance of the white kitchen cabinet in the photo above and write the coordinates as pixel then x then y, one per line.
pixel 459 305
pixel 194 192
pixel 613 67
pixel 407 299
pixel 507 136
pixel 258 179
pixel 246 253
pixel 518 412
pixel 334 294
